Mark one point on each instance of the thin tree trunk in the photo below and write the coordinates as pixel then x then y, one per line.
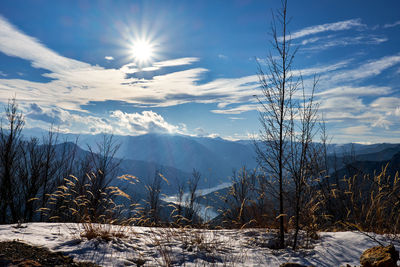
pixel 282 107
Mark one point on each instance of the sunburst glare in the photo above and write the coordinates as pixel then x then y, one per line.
pixel 142 51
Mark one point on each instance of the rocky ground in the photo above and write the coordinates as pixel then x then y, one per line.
pixel 13 253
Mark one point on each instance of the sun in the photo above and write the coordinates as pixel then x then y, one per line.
pixel 142 51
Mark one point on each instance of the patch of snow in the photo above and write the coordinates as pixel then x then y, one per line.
pixel 189 247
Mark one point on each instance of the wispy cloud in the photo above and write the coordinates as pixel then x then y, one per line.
pixel 390 25
pixel 355 91
pixel 336 26
pixel 15 43
pixel 358 130
pixel 341 105
pixel 330 41
pixel 389 110
pixel 321 68
pixel 358 117
pixel 74 83
pixel 314 39
pixel 222 56
pixel 171 63
pixel 338 87
pixel 236 110
pixel 387 104
pixel 109 58
pixel 366 70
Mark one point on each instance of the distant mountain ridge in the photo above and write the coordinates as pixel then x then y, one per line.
pixel 214 158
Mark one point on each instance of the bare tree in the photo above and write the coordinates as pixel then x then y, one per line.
pixel 304 155
pixel 51 164
pixel 30 178
pixel 104 161
pixel 89 176
pixel 287 124
pixel 104 166
pixel 10 145
pixel 278 87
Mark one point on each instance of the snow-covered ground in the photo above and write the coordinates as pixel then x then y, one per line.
pixel 156 246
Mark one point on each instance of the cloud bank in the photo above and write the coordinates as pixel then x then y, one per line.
pixel 74 83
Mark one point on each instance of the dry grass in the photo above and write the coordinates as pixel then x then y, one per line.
pixel 369 203
pixel 95 211
pixel 179 246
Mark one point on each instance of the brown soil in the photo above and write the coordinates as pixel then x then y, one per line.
pixel 13 253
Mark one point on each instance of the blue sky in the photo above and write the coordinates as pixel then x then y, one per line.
pixel 71 63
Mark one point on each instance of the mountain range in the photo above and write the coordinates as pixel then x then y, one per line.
pixel 175 156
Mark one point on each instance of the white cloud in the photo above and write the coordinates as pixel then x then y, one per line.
pixel 386 103
pixel 334 95
pixel 397 112
pixel 347 104
pixel 222 56
pixel 144 122
pixel 236 110
pixel 109 57
pixel 313 40
pixel 382 123
pixel 171 63
pixel 355 91
pixel 116 122
pixel 321 69
pixel 336 26
pixel 74 83
pixel 390 25
pixel 176 62
pixel 15 43
pixel 381 114
pixel 366 70
pixel 200 132
pixel 358 130
pixel 333 41
pixel 66 122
